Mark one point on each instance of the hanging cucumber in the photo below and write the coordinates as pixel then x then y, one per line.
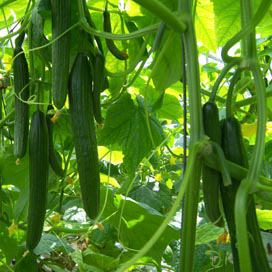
pixel 83 128
pixel 233 147
pixel 98 83
pixel 61 20
pixel 21 89
pixel 121 55
pixel 38 178
pixel 54 161
pixel 210 177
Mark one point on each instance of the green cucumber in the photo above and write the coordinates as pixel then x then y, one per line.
pixel 83 128
pixel 21 89
pixel 38 178
pixel 121 55
pixel 98 84
pixel 234 150
pixel 54 161
pixel 61 20
pixel 211 178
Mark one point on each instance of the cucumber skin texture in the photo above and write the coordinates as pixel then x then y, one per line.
pixel 53 160
pixel 234 150
pixel 83 128
pixel 98 83
pixel 110 43
pixel 21 119
pixel 38 178
pixel 211 178
pixel 61 20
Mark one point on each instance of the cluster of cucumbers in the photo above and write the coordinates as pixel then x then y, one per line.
pixel 83 84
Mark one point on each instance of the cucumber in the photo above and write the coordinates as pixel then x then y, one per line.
pixel 54 161
pixel 211 178
pixel 21 89
pixel 61 20
pixel 233 147
pixel 38 178
pixel 98 84
pixel 83 128
pixel 121 55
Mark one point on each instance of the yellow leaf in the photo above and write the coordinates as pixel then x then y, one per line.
pixel 249 129
pixel 158 177
pixel 110 180
pixel 172 161
pixel 116 157
pixel 169 184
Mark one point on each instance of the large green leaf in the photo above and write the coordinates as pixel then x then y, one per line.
pixel 169 69
pixel 125 124
pixel 227 20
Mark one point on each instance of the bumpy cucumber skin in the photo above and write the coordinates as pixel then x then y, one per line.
pixel 98 83
pixel 21 119
pixel 53 160
pixel 110 43
pixel 234 150
pixel 38 178
pixel 61 20
pixel 83 128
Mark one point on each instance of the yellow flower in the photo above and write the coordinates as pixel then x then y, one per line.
pixel 172 161
pixel 223 238
pixel 158 177
pixel 12 228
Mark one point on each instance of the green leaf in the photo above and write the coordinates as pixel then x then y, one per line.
pixel 227 20
pixel 125 125
pixel 206 233
pixel 50 243
pixel 102 261
pixel 264 219
pixel 28 263
pixel 205 24
pixel 8 245
pixel 169 70
pixel 139 222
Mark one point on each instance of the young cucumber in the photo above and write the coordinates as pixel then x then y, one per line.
pixel 61 19
pixel 38 178
pixel 54 162
pixel 98 83
pixel 83 128
pixel 210 177
pixel 121 55
pixel 21 89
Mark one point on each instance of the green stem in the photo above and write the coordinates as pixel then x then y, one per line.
pixel 196 134
pixel 263 8
pixel 3 121
pixel 24 24
pixel 235 171
pixel 220 78
pixel 234 80
pixel 164 14
pixel 249 101
pixel 84 24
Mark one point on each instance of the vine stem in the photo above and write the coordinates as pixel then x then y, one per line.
pixel 248 185
pixel 163 13
pixel 195 158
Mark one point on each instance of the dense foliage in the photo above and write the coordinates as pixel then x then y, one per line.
pixel 103 132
